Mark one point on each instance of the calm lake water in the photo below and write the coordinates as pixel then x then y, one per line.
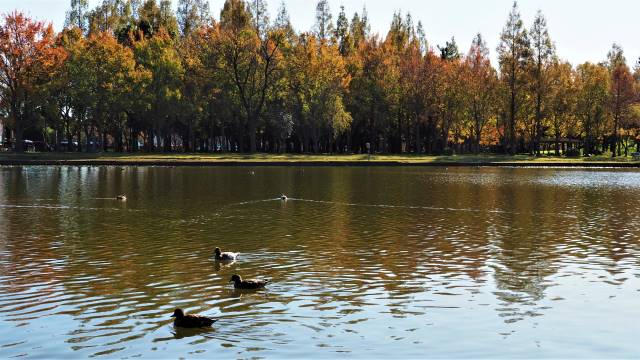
pixel 364 262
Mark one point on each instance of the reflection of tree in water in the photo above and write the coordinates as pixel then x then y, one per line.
pixel 529 250
pixel 117 270
pixel 525 242
pixel 392 253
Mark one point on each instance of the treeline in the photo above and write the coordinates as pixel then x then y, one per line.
pixel 133 75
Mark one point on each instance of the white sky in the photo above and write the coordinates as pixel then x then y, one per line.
pixel 582 29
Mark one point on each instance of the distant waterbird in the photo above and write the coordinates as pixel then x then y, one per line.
pixel 225 256
pixel 121 197
pixel 284 197
pixel 191 320
pixel 238 283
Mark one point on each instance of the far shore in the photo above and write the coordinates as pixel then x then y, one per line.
pixel 236 159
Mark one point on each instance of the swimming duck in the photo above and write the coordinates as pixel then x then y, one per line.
pixel 225 256
pixel 121 197
pixel 283 197
pixel 238 283
pixel 191 320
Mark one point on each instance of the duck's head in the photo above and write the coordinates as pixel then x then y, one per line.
pixel 235 278
pixel 178 313
pixel 217 251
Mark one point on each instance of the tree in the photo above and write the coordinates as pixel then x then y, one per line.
pixel 513 54
pixel 110 16
pixel 77 15
pixel 28 56
pixel 562 98
pixel 158 55
pixel 592 82
pixel 481 87
pixel 260 15
pixel 450 50
pixel 253 64
pixel 622 96
pixel 615 57
pixel 318 80
pixel 192 14
pixel 283 21
pixel 360 28
pixel 422 38
pixel 366 100
pixel 341 33
pixel 324 23
pixel 543 51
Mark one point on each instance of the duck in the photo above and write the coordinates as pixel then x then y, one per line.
pixel 191 320
pixel 225 256
pixel 238 283
pixel 283 197
pixel 121 197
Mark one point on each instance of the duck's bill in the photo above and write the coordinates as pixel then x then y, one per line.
pixel 173 316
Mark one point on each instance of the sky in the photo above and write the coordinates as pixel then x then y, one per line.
pixel 583 30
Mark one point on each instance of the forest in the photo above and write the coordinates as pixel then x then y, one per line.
pixel 134 75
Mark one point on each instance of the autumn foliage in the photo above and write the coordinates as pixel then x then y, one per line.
pixel 135 76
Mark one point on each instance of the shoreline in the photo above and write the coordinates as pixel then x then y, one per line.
pixel 303 160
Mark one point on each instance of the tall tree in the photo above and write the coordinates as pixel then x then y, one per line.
pixel 28 56
pixel 513 54
pixel 481 88
pixel 324 21
pixel 562 101
pixel 621 97
pixel 260 15
pixel 110 15
pixel 318 81
pixel 159 56
pixel 615 56
pixel 543 51
pixel 107 71
pixel 192 14
pixel 283 21
pixel 77 15
pixel 592 82
pixel 252 63
pixel 422 38
pixel 341 33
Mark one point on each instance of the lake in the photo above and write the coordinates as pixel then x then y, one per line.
pixel 365 262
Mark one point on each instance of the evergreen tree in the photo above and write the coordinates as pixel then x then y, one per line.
pixel 342 32
pixel 450 50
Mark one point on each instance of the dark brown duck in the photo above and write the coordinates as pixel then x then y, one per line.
pixel 238 283
pixel 225 256
pixel 191 320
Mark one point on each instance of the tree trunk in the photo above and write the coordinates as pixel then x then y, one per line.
pixel 252 137
pixel 418 139
pixel 19 146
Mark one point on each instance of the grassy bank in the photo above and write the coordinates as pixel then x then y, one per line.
pixel 293 159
